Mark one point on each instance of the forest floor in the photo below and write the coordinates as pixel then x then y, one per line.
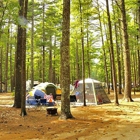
pixel 101 122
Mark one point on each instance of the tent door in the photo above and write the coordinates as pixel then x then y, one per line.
pixel 51 90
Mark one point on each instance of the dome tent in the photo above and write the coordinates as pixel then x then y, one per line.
pixel 95 94
pixel 41 90
pixel 48 88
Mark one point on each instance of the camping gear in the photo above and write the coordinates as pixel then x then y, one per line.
pixel 58 91
pixel 73 98
pixel 38 99
pixel 33 98
pixel 50 99
pixel 51 111
pixel 30 100
pixel 94 92
pixel 47 88
pixel 42 90
pixel 38 92
pixel 43 102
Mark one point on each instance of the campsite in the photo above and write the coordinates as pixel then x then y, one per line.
pixel 95 93
pixel 62 42
pixel 92 122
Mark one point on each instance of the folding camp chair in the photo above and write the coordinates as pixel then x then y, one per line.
pixel 38 99
pixel 43 102
pixel 73 99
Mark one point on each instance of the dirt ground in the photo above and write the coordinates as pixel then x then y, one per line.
pixel 102 122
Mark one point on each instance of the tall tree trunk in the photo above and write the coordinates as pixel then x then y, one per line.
pixel 88 53
pixel 43 64
pixel 6 61
pixel 32 46
pixel 139 41
pixel 6 68
pixel 50 62
pixel 83 53
pixel 118 50
pixel 12 66
pixel 20 88
pixel 134 71
pixel 43 47
pixel 112 56
pixel 65 62
pixel 23 98
pixel 104 52
pixel 109 71
pixel 17 101
pixel 1 69
pixel 77 61
pixel 54 64
pixel 121 54
pixel 127 66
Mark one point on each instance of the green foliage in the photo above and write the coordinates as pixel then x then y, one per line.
pixel 51 27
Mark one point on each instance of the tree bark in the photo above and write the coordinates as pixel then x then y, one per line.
pixel 65 62
pixel 50 62
pixel 23 80
pixel 104 52
pixel 127 65
pixel 6 60
pixel 1 57
pixel 43 47
pixel 112 56
pixel 17 101
pixel 118 51
pixel 32 47
pixel 83 53
pixel 20 89
pixel 138 41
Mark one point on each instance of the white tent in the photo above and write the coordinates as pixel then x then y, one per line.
pixel 94 92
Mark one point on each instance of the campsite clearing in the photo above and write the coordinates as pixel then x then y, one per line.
pixel 102 122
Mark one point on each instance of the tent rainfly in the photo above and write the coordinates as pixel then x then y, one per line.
pixel 95 94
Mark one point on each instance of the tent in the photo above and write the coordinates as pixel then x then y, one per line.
pixel 43 90
pixel 95 94
pixel 48 88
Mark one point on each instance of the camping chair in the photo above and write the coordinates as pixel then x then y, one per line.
pixel 73 99
pixel 43 102
pixel 38 99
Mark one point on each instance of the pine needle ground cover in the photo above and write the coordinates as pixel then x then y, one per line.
pixel 100 122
